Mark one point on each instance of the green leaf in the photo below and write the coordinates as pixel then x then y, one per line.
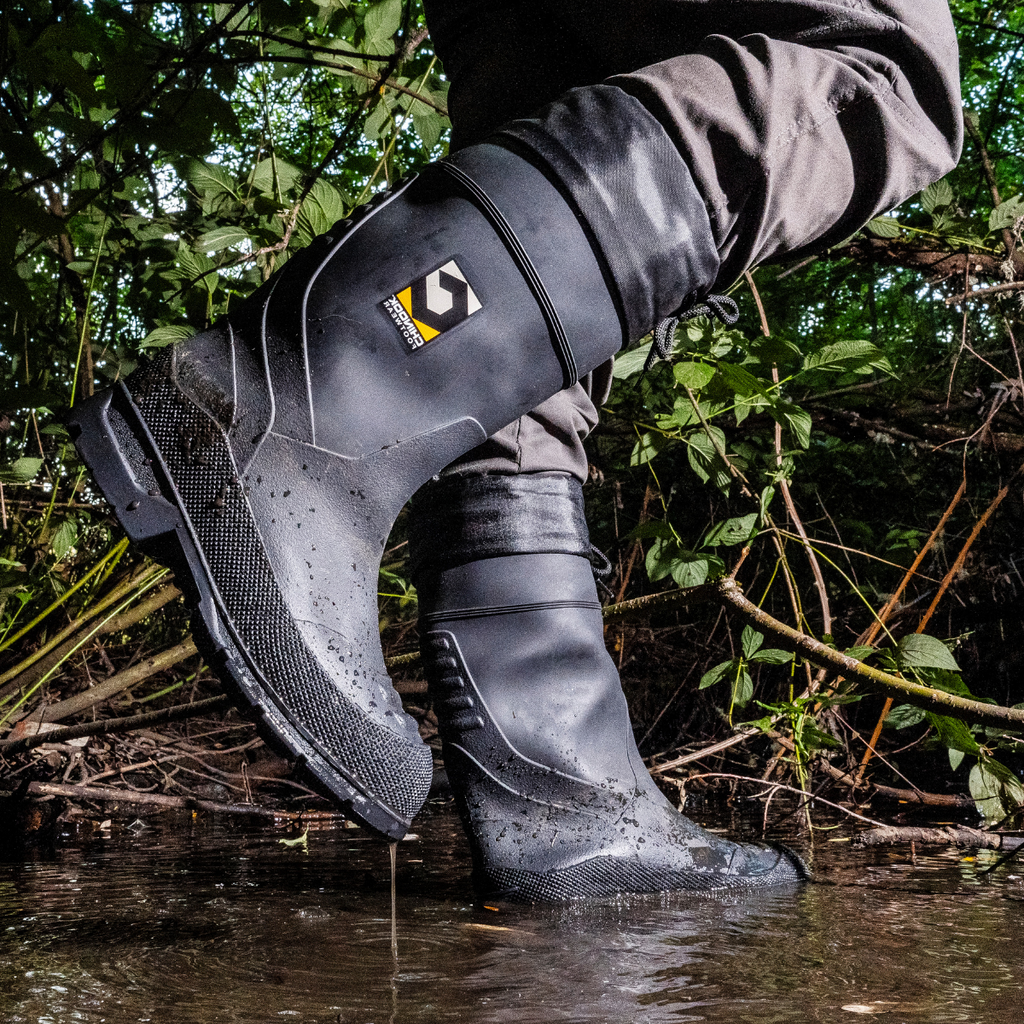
pixel 716 674
pixel 937 195
pixel 631 362
pixel 222 238
pixel 1006 214
pixel 884 227
pixel 428 125
pixel 376 124
pixel 741 381
pixel 742 688
pixel 324 206
pixel 687 568
pixel 750 640
pixel 262 177
pixel 986 792
pixel 64 538
pixel 209 180
pixel 647 448
pixel 732 531
pixel 659 558
pixel 302 842
pixel 918 650
pixel 956 758
pixel 691 569
pixel 953 733
pixel 21 471
pixel 652 528
pixel 798 420
pixel 693 375
pixel 167 335
pixel 852 356
pixel 382 21
pixel 860 653
pixel 903 716
pixel 772 656
pixel 705 461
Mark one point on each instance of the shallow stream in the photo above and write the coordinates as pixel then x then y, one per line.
pixel 203 920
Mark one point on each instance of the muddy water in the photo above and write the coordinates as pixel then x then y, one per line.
pixel 199 921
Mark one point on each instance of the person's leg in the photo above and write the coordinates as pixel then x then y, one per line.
pixel 268 457
pixel 799 120
pixel 553 794
pixel 769 101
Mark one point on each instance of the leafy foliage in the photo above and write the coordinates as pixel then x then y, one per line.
pixel 160 160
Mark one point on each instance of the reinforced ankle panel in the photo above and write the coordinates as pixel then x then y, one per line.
pixel 460 519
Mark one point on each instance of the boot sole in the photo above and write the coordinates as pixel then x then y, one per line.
pixel 601 877
pixel 126 465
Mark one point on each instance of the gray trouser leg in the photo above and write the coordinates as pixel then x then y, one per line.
pixel 547 439
pixel 800 120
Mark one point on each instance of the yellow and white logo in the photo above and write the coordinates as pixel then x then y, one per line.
pixel 432 304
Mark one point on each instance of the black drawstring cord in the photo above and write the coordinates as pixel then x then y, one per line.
pixel 719 307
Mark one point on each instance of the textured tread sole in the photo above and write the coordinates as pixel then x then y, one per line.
pixel 610 876
pixel 128 469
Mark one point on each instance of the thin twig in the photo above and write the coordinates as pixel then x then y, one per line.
pixel 108 794
pixel 115 725
pixel 809 797
pixel 981 293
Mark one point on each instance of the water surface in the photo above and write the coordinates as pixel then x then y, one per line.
pixel 205 920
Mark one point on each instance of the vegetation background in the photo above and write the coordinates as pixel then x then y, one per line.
pixel 865 417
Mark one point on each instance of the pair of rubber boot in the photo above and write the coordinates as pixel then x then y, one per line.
pixel 266 460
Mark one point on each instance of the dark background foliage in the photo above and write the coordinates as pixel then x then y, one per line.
pixel 160 160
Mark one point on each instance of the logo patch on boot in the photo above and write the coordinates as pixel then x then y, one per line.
pixel 431 305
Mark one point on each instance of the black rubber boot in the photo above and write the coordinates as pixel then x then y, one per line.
pixel 267 458
pixel 540 754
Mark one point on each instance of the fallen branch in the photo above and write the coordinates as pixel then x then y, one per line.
pixel 907 796
pixel 952 835
pixel 699 755
pixel 809 798
pixel 107 794
pixel 61 734
pixel 116 684
pixel 825 657
pixel 983 293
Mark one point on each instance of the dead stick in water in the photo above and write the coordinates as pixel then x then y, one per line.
pixel 959 835
pixel 107 794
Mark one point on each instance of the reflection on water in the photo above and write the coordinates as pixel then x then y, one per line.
pixel 207 921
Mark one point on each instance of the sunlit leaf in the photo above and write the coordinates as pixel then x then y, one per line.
pixel 918 650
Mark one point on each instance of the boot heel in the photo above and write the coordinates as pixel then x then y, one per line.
pixel 116 449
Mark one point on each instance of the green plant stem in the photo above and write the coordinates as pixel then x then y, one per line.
pixel 85 318
pixel 882 682
pixel 118 683
pixel 120 547
pixel 119 621
pixel 84 639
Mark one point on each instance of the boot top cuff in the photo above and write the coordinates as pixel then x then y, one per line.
pixel 632 188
